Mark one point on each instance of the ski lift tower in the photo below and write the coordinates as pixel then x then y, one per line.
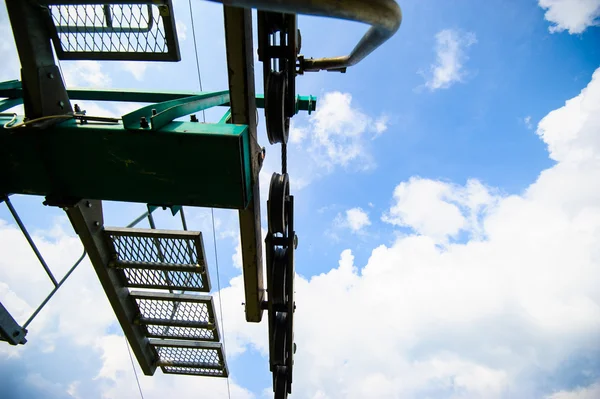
pixel 157 280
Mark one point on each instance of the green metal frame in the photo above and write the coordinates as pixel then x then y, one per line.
pixel 183 163
pixel 12 90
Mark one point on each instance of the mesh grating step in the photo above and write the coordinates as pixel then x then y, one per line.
pixel 159 259
pixel 190 358
pixel 177 316
pixel 108 30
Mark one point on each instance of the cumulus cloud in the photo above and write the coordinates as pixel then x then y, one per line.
pixel 338 132
pixel 574 16
pixel 354 219
pixel 450 49
pixel 439 209
pixel 591 392
pixel 338 135
pixel 496 315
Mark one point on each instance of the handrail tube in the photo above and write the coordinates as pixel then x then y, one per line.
pixel 384 16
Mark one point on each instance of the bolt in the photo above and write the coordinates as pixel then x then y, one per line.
pixel 50 75
pixel 97 224
pixel 153 112
pixel 77 108
pixel 61 104
pixel 144 123
pixel 193 118
pixel 295 241
pixel 88 204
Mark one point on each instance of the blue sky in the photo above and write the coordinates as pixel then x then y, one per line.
pixel 447 208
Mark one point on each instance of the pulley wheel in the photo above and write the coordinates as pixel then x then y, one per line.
pixel 278 125
pixel 279 339
pixel 279 276
pixel 279 190
pixel 280 382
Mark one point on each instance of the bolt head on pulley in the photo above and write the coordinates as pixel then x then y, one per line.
pixel 279 191
pixel 278 125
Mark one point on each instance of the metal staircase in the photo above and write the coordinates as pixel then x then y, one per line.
pixel 180 329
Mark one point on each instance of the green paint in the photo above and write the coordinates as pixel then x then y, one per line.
pixel 185 163
pixel 12 89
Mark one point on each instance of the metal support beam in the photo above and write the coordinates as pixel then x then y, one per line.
pixel 12 90
pixel 240 65
pixel 44 91
pixel 183 163
pixel 88 221
pixel 30 241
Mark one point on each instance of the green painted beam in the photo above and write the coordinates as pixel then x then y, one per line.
pixel 161 114
pixel 185 163
pixel 12 89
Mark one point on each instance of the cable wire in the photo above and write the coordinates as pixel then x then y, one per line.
pixel 212 210
pixel 134 370
pixel 196 52
pixel 212 213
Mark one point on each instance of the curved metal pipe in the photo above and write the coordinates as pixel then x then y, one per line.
pixel 384 16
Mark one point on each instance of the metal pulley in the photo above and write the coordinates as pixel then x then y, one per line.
pixel 279 273
pixel 278 123
pixel 279 191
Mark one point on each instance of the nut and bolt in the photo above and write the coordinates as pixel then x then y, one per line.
pixel 144 123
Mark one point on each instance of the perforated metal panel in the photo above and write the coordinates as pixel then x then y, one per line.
pixel 160 259
pixel 177 316
pixel 194 358
pixel 112 31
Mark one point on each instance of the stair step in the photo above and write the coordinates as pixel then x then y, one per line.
pixel 190 358
pixel 159 259
pixel 177 316
pixel 82 30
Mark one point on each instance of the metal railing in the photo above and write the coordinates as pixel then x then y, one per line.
pixel 384 16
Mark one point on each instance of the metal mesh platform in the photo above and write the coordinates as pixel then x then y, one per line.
pixel 177 316
pixel 193 358
pixel 111 31
pixel 161 259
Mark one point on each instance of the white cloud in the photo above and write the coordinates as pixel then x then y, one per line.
pixel 355 219
pixel 527 122
pixel 591 392
pixel 574 16
pixel 297 134
pixel 571 131
pixel 496 316
pixel 136 68
pixel 438 209
pixel 85 74
pixel 338 135
pixel 338 131
pixel 450 58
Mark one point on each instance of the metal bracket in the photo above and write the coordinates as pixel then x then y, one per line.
pixel 163 113
pixel 10 330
